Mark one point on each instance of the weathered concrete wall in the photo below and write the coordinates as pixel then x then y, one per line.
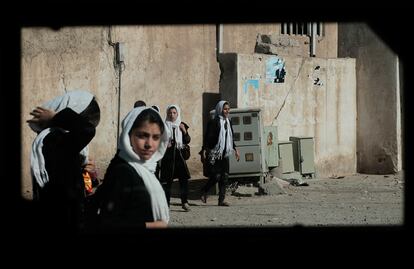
pixel 171 65
pixel 163 65
pixel 302 105
pixel 327 44
pixel 241 38
pixel 283 45
pixel 379 119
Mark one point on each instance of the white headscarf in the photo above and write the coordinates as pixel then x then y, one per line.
pixel 156 108
pixel 176 125
pixel 217 151
pixel 78 101
pixel 159 203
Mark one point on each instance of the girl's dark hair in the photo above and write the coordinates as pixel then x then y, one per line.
pixel 148 115
pixel 92 113
pixel 139 103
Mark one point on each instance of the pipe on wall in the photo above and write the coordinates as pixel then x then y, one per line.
pixel 313 39
pixel 219 39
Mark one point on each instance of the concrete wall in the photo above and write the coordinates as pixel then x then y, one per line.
pixel 163 65
pixel 325 111
pixel 327 44
pixel 379 115
pixel 283 45
pixel 171 65
pixel 241 38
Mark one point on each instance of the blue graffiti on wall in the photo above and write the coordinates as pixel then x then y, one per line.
pixel 275 70
pixel 253 82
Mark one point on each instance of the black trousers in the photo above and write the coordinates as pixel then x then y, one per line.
pixel 182 179
pixel 218 172
pixel 183 189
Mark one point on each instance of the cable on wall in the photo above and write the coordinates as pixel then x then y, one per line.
pixel 119 65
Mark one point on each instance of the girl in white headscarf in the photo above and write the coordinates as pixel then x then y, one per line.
pixel 65 126
pixel 131 195
pixel 173 164
pixel 218 144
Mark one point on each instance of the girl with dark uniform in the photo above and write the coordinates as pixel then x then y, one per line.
pixel 131 197
pixel 65 126
pixel 218 144
pixel 173 164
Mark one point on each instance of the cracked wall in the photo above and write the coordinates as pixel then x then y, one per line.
pixel 300 107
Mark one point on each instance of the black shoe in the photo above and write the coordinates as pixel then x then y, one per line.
pixel 223 204
pixel 203 198
pixel 186 207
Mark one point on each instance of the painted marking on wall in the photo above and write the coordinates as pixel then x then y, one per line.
pixel 275 70
pixel 316 76
pixel 250 96
pixel 251 82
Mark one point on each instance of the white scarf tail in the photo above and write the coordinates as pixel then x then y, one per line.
pixel 37 161
pixel 217 152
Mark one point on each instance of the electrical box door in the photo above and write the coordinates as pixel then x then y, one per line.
pixel 250 161
pixel 286 156
pixel 303 154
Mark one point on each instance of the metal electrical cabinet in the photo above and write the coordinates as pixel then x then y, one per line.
pixel 248 137
pixel 303 155
pixel 286 156
pixel 257 145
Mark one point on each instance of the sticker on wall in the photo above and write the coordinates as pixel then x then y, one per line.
pixel 275 70
pixel 270 139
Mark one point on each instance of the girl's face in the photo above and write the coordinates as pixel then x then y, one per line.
pixel 172 114
pixel 226 110
pixel 146 139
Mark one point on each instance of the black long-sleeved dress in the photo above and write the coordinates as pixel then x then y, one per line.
pixel 173 164
pixel 60 204
pixel 125 203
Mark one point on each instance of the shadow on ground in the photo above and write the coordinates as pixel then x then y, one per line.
pixel 194 187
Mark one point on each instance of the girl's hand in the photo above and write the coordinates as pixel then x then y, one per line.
pixel 41 116
pixel 237 155
pixel 182 128
pixel 203 156
pixel 156 224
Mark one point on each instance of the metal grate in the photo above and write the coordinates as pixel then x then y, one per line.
pixel 247 120
pixel 235 120
pixel 302 28
pixel 248 136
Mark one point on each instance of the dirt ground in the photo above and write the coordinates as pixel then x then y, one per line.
pixel 356 200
